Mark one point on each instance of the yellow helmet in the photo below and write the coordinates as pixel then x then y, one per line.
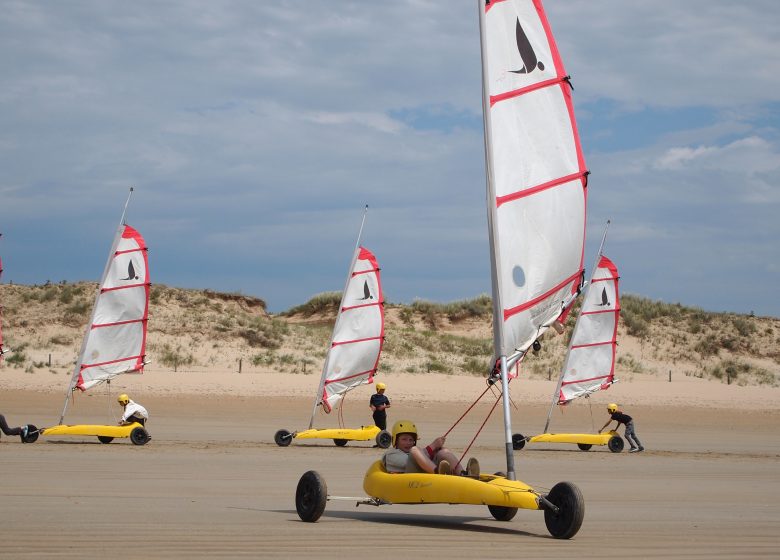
pixel 405 427
pixel 612 407
pixel 381 386
pixel 123 399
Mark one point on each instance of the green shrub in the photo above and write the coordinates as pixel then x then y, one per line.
pixel 475 366
pixel 325 303
pixel 66 294
pixel 175 357
pixel 708 346
pixel 60 340
pixel 743 326
pixel 15 358
pixel 434 365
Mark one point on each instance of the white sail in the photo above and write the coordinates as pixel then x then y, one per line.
pixel 536 181
pixel 537 174
pixel 115 341
pixel 358 334
pixel 590 363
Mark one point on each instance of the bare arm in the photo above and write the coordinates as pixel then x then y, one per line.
pixel 422 459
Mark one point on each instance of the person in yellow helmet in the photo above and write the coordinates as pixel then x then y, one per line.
pixel 133 412
pixel 406 457
pixel 378 404
pixel 622 418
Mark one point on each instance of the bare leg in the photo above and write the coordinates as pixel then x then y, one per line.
pixel 445 454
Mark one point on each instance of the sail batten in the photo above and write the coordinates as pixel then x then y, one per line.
pixel 356 340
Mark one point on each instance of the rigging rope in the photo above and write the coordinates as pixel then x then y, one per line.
pixel 341 410
pixel 489 387
pixel 480 429
pixel 590 407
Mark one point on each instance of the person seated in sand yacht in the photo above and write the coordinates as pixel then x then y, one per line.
pixel 406 457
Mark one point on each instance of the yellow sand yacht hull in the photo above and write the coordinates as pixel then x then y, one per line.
pixel 583 441
pixel 135 431
pixel 424 488
pixel 564 507
pixel 340 436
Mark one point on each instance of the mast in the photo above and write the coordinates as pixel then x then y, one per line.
pixel 355 253
pixel 2 351
pixel 568 350
pixel 77 369
pixel 498 337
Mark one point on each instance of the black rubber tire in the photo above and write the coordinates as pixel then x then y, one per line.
pixel 139 436
pixel 340 442
pixel 384 439
pixel 502 513
pixel 105 439
pixel 311 495
pixel 283 438
pixel 32 434
pixel 518 442
pixel 568 520
pixel 584 446
pixel 615 444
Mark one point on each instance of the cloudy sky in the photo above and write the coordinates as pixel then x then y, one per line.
pixel 255 132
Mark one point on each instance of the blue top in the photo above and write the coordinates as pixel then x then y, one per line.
pixel 621 418
pixel 378 399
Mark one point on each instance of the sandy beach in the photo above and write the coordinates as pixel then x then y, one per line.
pixel 212 483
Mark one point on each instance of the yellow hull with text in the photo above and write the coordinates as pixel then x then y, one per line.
pixel 424 488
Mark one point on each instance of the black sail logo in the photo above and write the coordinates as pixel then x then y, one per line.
pixel 131 275
pixel 366 293
pixel 530 62
pixel 604 299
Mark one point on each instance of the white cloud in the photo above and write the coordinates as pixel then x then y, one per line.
pixel 377 121
pixel 258 129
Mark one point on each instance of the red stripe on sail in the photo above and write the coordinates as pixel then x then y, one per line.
pixel 586 380
pixel 522 307
pixel 104 290
pixel 523 90
pixel 362 305
pixel 118 360
pixel 539 188
pixel 117 323
pixel 356 340
pixel 353 376
pixel 599 311
pixel 592 344
pixel 129 251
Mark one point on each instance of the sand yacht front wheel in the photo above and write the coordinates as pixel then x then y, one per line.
pixel 564 523
pixel 311 495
